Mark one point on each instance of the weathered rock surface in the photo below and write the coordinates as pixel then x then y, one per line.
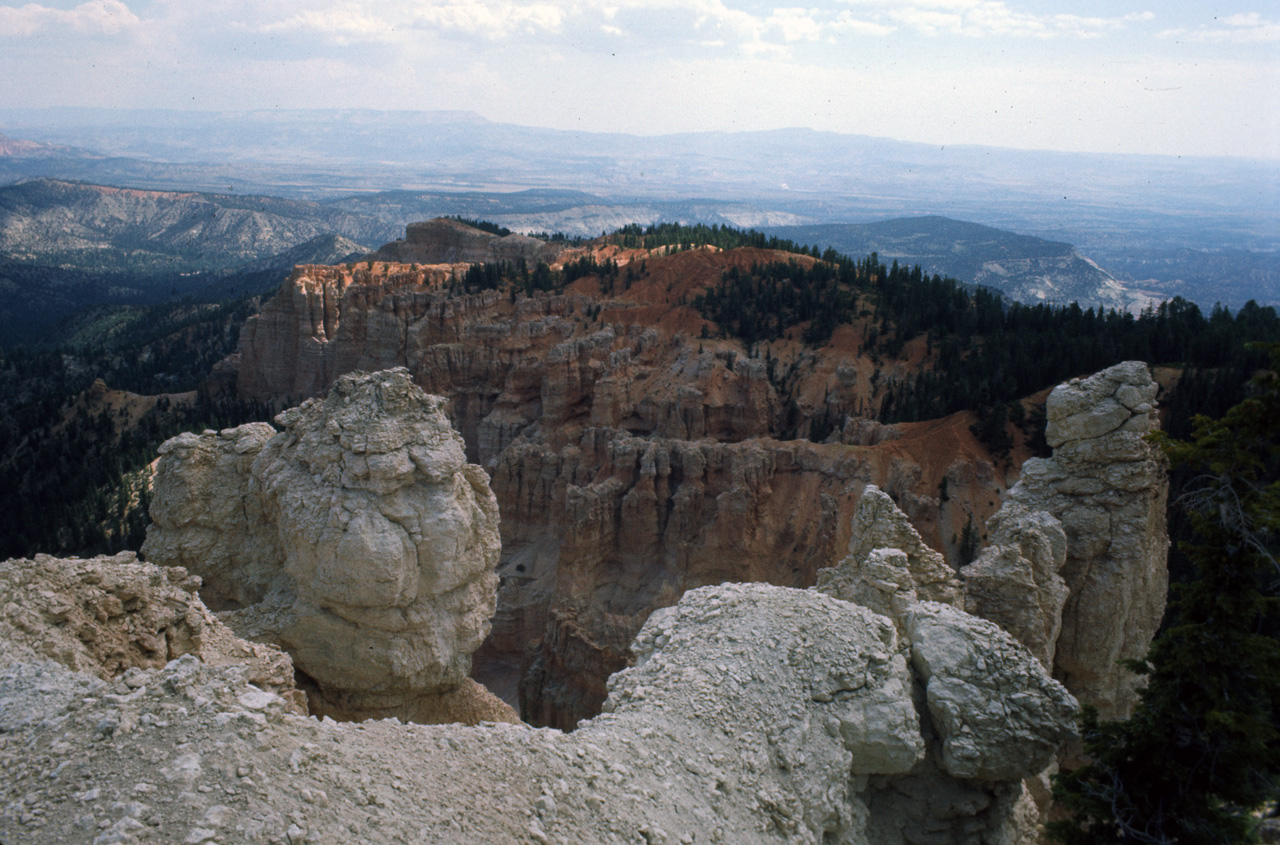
pixel 753 714
pixel 888 567
pixel 1015 583
pixel 113 616
pixel 1108 488
pixel 205 519
pixel 998 714
pixel 358 538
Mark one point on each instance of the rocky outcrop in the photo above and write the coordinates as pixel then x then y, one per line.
pixel 111 617
pixel 888 567
pixel 447 241
pixel 753 714
pixel 1015 583
pixel 205 519
pixel 996 712
pixel 1107 487
pixel 358 538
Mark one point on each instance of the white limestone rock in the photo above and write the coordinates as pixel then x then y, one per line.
pixel 111 617
pixel 1108 488
pixel 742 721
pixel 1000 718
pixel 204 517
pixel 896 580
pixel 370 542
pixel 1014 582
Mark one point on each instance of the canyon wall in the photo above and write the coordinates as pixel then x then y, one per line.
pixel 631 457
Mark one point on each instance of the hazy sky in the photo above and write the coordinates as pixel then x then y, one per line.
pixel 1185 77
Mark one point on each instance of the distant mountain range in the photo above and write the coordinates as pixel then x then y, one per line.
pixel 64 245
pixel 1202 228
pixel 1024 268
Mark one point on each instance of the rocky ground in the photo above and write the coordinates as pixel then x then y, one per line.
pixel 754 714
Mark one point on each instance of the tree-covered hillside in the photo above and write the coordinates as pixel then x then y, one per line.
pixel 71 456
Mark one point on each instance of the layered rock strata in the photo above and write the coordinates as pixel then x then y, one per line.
pixel 1107 488
pixel 358 538
pixel 753 714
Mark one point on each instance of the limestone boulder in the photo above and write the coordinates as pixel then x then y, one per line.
pixel 369 540
pixel 204 518
pixel 390 536
pixel 998 714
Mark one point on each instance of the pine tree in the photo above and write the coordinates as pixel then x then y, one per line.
pixel 1201 751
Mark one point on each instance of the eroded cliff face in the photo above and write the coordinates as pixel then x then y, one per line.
pixel 632 459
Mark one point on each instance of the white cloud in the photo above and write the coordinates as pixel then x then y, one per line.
pixel 1250 28
pixel 489 19
pixel 846 22
pixel 368 21
pixel 665 23
pixel 107 17
pixel 987 18
pixel 794 24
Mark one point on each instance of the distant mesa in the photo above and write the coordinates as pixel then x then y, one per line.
pixel 447 241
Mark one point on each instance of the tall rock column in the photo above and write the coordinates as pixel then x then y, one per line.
pixel 367 543
pixel 1108 487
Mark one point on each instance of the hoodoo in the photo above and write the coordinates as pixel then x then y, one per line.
pixel 1104 491
pixel 358 538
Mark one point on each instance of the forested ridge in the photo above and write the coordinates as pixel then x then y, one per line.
pixel 983 351
pixel 72 465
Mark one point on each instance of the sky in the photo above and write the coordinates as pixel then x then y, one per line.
pixel 1171 77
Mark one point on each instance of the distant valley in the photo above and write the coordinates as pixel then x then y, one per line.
pixel 1204 229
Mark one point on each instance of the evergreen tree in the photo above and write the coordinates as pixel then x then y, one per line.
pixel 1201 752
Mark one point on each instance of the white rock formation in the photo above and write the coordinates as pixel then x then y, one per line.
pixel 998 714
pixel 753 714
pixel 889 567
pixel 204 518
pixel 111 617
pixel 1015 583
pixel 1108 488
pixel 358 538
